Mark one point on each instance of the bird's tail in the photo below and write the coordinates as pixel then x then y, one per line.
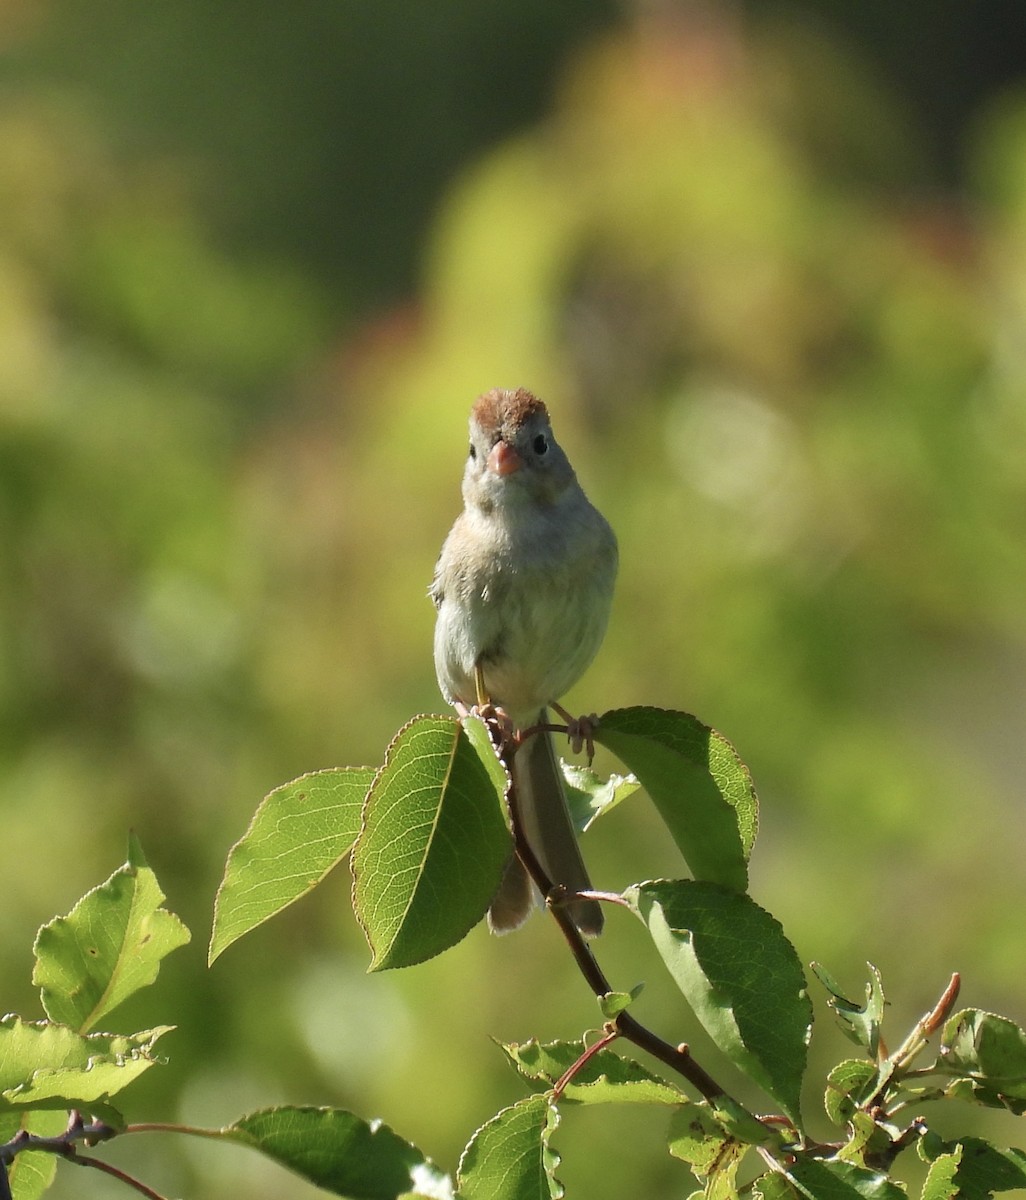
pixel 545 821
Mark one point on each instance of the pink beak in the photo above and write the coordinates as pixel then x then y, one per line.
pixel 503 459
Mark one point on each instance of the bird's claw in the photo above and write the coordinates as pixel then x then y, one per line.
pixel 580 731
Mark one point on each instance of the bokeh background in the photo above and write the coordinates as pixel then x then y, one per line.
pixel 767 263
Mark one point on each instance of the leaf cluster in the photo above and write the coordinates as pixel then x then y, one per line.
pixel 429 833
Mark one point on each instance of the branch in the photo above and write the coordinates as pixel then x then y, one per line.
pixel 678 1057
pixel 65 1146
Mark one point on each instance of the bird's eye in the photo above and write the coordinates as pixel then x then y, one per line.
pixel 473 450
pixel 540 444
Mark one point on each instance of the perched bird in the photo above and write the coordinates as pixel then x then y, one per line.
pixel 523 588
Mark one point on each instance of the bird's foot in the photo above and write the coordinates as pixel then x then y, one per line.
pixel 580 731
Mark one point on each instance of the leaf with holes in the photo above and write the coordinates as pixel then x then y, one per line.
pixel 510 1158
pixel 110 945
pixel 605 1078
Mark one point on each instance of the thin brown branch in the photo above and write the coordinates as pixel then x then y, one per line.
pixel 677 1058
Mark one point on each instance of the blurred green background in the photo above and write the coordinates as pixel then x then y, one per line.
pixel 767 264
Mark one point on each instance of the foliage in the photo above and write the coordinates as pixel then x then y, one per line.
pixel 790 375
pixel 429 850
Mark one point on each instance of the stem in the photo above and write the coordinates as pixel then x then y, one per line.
pixel 117 1173
pixel 610 1034
pixel 901 1060
pixel 64 1144
pixel 677 1058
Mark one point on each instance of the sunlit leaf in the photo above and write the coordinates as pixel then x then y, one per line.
pixel 341 1153
pixel 698 1139
pixel 612 1004
pixel 990 1052
pixel 299 833
pixel 606 1077
pixel 846 1084
pixel 859 1022
pixel 590 796
pixel 510 1158
pixel 739 973
pixel 110 945
pixel 941 1181
pixel 701 788
pixel 32 1172
pixel 43 1065
pixel 434 841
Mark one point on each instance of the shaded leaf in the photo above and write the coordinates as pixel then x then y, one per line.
pixel 434 841
pixel 340 1152
pixel 509 1158
pixel 739 973
pixel 109 946
pixel 702 789
pixel 835 1180
pixel 606 1078
pixel 298 834
pixel 984 1169
pixel 43 1065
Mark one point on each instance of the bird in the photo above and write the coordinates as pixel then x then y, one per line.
pixel 523 588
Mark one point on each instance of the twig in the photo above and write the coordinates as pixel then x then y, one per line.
pixel 64 1145
pixel 117 1173
pixel 678 1058
pixel 609 1035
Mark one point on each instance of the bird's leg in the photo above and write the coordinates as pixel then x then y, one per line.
pixel 579 730
pixel 486 710
pixel 483 700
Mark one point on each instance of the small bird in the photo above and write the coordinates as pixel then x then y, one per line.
pixel 523 588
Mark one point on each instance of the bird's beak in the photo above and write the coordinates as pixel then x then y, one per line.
pixel 503 459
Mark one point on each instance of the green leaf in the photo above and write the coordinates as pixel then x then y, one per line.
pixel 699 1139
pixel 702 790
pixel 32 1171
pixel 989 1052
pixel 110 945
pixel 299 833
pixel 866 1139
pixel 606 1078
pixel 337 1151
pixel 861 1023
pixel 846 1087
pixel 941 1182
pixel 589 796
pixel 835 1180
pixel 434 841
pixel 774 1186
pixel 43 1065
pixel 509 1158
pixel 985 1169
pixel 739 973
pixel 611 1004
